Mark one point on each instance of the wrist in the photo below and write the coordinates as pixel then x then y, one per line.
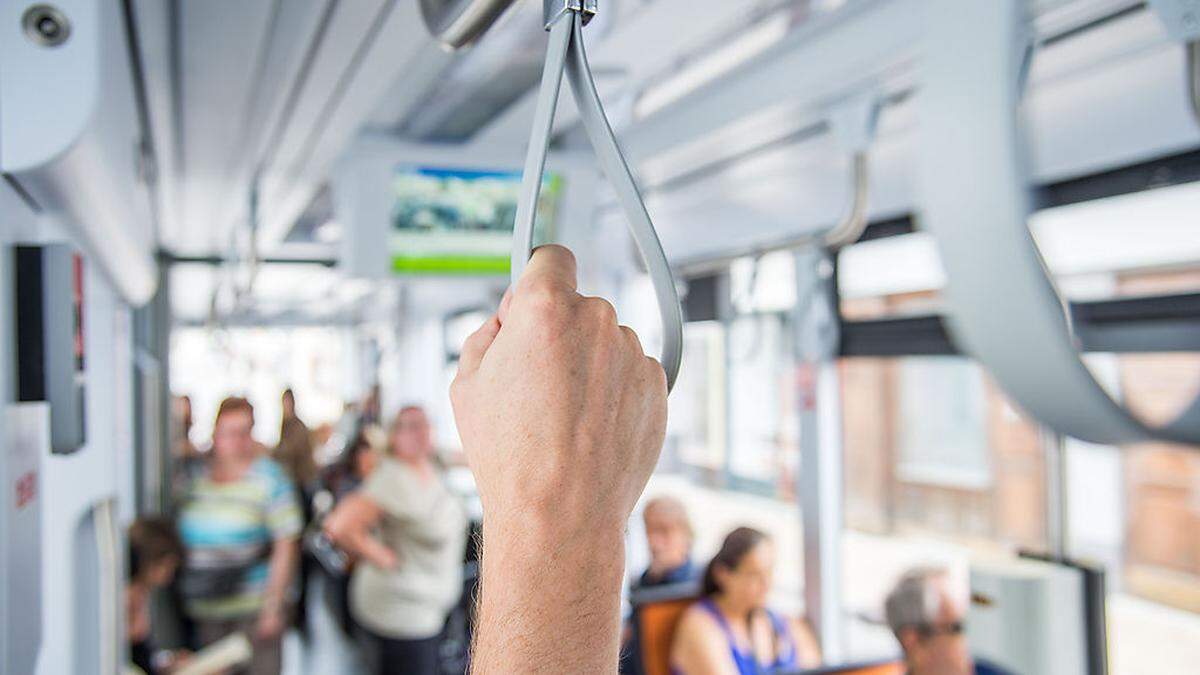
pixel 540 579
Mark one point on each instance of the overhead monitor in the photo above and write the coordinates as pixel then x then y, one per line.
pixel 450 221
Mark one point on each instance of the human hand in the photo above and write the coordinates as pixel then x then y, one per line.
pixel 270 623
pixel 562 415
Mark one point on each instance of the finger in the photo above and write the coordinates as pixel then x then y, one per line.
pixel 631 337
pixel 551 265
pixel 476 346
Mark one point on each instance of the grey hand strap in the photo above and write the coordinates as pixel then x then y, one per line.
pixel 1005 309
pixel 566 52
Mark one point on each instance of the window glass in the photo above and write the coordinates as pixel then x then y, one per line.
pixel 763 415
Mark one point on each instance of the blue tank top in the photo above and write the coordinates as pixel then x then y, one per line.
pixel 746 662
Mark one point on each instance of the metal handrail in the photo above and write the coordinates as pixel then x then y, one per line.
pixel 458 23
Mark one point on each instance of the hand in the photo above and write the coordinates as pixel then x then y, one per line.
pixel 270 623
pixel 561 413
pixel 176 660
pixel 562 417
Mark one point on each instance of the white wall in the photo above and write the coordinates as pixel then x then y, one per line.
pixel 72 485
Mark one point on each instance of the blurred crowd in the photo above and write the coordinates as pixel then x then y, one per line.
pixel 377 521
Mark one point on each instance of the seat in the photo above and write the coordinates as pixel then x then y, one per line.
pixel 656 613
pixel 872 668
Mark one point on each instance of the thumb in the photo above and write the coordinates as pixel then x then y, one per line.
pixel 476 346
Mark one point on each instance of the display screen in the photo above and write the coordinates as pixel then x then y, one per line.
pixel 460 221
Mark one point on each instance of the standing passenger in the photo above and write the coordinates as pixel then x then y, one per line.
pixel 294 453
pixel 409 579
pixel 239 524
pixel 295 450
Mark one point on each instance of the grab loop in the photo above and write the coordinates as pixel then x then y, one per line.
pixel 565 54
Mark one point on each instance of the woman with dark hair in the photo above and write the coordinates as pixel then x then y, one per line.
pixel 730 631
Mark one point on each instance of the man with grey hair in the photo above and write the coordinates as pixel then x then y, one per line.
pixel 927 618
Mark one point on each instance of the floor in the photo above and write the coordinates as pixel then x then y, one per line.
pixel 327 651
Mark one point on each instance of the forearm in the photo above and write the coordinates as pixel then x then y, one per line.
pixel 284 554
pixel 362 545
pixel 549 604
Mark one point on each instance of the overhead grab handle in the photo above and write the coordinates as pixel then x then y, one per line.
pixel 565 54
pixel 1005 309
pixel 1183 25
pixel 853 123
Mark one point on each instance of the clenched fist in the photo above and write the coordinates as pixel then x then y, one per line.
pixel 562 417
pixel 561 412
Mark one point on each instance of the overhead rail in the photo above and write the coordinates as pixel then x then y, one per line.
pixel 565 54
pixel 853 124
pixel 458 23
pixel 976 201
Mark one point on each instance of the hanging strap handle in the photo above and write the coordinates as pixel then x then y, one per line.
pixel 566 53
pixel 1006 310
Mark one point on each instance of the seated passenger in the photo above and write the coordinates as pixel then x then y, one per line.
pixel 409 578
pixel 155 553
pixel 927 619
pixel 730 631
pixel 669 537
pixel 240 522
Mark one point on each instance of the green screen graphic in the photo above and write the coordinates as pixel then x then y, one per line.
pixel 459 221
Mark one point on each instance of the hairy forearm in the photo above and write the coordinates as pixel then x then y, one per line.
pixel 284 554
pixel 549 604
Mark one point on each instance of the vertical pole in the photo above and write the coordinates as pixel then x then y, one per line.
pixel 820 481
pixel 1054 451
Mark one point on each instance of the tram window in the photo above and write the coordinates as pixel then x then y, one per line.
pixel 932 446
pixel 763 414
pixel 696 425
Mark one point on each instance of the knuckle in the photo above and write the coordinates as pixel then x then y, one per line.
pixel 656 373
pixel 544 298
pixel 601 311
pixel 632 338
pixel 559 251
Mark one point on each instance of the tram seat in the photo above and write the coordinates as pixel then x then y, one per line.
pixel 871 668
pixel 656 613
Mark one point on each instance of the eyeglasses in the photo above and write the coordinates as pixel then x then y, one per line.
pixel 952 628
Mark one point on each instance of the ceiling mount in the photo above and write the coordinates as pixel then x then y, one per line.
pixel 458 23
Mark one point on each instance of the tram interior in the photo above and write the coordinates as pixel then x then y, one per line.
pixel 206 199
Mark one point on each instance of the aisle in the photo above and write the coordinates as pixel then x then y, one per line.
pixel 328 650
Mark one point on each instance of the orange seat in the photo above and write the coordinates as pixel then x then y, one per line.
pixel 896 668
pixel 657 617
pixel 656 630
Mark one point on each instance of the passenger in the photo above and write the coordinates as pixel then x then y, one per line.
pixel 730 630
pixel 407 580
pixel 357 463
pixel 187 459
pixel 240 524
pixel 295 450
pixel 155 553
pixel 295 454
pixel 669 537
pixel 927 619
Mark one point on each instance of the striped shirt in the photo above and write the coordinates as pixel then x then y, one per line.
pixel 228 529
